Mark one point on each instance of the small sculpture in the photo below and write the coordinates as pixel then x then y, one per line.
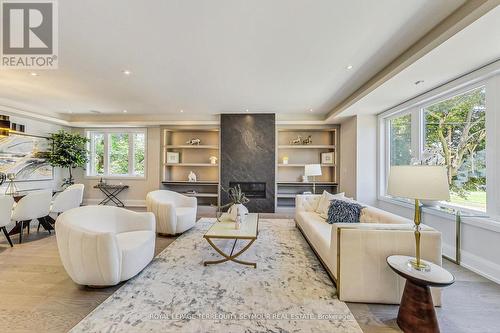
pixel 296 141
pixel 192 177
pixel 285 159
pixel 193 142
pixel 307 141
pixel 213 160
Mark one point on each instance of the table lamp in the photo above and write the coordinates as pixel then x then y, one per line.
pixel 312 170
pixel 418 182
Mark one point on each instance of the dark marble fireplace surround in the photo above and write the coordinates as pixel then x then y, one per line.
pixel 248 146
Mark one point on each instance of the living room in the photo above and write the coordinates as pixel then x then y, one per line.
pixel 239 166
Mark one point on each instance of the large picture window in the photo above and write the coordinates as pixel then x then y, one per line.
pixel 451 132
pixel 117 153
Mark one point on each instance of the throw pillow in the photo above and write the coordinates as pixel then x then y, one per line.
pixel 324 202
pixel 342 211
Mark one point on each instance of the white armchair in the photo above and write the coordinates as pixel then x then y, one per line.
pixel 104 245
pixel 174 212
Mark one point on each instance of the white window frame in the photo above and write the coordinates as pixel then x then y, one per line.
pixel 491 82
pixel 131 154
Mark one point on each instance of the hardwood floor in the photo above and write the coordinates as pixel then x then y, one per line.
pixel 36 294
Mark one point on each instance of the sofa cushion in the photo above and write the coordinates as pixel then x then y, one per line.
pixel 317 231
pixel 374 215
pixel 324 202
pixel 342 211
pixel 137 249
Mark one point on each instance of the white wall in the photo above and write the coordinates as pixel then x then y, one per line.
pixel 348 157
pixel 136 194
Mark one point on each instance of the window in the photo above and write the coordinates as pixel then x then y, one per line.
pixel 450 131
pixel 400 140
pixel 117 153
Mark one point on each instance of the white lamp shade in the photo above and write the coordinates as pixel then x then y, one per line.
pixel 423 182
pixel 312 170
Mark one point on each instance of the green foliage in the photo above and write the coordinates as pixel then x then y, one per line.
pixel 118 154
pixel 401 140
pixel 69 151
pixel 236 196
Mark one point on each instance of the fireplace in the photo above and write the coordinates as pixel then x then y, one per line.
pixel 252 190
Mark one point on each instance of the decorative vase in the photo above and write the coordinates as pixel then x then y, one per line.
pixel 235 210
pixel 237 224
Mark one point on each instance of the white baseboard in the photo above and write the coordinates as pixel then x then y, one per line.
pixel 128 203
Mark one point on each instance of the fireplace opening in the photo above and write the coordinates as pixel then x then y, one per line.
pixel 251 189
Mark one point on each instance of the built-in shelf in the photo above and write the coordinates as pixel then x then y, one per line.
pixel 306 147
pixel 306 183
pixel 286 195
pixel 191 165
pixel 201 195
pixel 198 183
pixel 191 147
pixel 295 165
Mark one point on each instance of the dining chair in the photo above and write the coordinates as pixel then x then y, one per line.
pixel 6 204
pixel 35 205
pixel 70 198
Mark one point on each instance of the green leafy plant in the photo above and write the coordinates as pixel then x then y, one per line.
pixel 69 151
pixel 236 196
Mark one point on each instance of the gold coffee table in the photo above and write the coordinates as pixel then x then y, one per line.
pixel 225 229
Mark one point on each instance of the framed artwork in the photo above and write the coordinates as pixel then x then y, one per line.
pixel 172 157
pixel 26 156
pixel 327 158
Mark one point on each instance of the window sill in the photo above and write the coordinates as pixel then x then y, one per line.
pixel 116 177
pixel 489 223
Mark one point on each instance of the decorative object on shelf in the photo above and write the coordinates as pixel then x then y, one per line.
pixel 307 141
pixel 192 176
pixel 11 188
pixel 69 151
pixel 192 192
pixel 428 182
pixel 172 157
pixel 285 159
pixel 312 170
pixel 213 160
pixel 296 141
pixel 194 142
pixel 237 202
pixel 304 179
pixel 26 156
pixel 327 158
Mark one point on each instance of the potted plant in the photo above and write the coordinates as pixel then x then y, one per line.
pixel 69 151
pixel 237 202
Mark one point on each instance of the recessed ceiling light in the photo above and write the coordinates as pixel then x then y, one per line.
pixel 310 110
pixel 246 110
pixel 418 82
pixel 125 111
pixel 182 111
pixel 34 74
pixel 126 72
pixel 349 67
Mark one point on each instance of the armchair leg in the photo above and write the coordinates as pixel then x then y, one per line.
pixel 7 236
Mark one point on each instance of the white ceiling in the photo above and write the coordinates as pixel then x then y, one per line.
pixel 473 47
pixel 209 57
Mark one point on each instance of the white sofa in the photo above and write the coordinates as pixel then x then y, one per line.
pixel 355 254
pixel 174 212
pixel 104 245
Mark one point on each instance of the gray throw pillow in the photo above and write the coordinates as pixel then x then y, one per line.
pixel 342 211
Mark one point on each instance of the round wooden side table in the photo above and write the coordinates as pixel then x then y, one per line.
pixel 416 311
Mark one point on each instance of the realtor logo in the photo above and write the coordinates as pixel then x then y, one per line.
pixel 29 34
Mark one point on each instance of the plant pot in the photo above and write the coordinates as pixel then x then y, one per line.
pixel 235 210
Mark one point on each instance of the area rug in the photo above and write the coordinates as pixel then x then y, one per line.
pixel 289 291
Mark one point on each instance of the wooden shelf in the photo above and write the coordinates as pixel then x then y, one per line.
pixel 305 183
pixel 286 195
pixel 294 165
pixel 201 195
pixel 185 182
pixel 191 147
pixel 192 165
pixel 306 147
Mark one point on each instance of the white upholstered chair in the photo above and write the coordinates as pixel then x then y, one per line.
pixel 70 198
pixel 174 212
pixel 104 245
pixel 35 205
pixel 6 204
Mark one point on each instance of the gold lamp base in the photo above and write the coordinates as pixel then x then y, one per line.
pixel 419 266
